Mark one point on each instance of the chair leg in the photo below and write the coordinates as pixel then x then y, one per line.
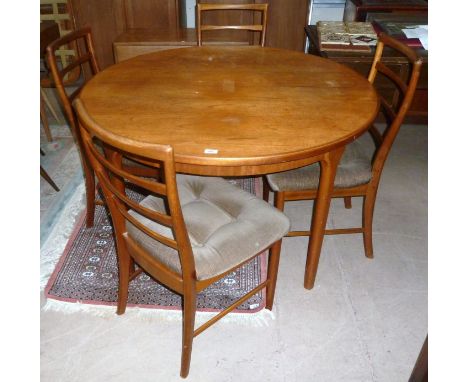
pixel 279 200
pixel 273 264
pixel 347 202
pixel 266 190
pixel 49 179
pixel 44 120
pixel 190 307
pixel 367 217
pixel 124 276
pixel 49 105
pixel 90 186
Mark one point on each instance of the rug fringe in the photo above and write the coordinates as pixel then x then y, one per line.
pixel 262 318
pixel 53 248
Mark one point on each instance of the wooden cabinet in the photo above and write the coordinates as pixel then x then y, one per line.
pixel 359 10
pixel 134 42
pixel 109 18
pixel 362 61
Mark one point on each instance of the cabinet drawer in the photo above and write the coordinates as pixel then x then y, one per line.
pixel 124 52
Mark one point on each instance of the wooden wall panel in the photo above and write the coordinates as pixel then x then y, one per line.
pixel 287 19
pixel 107 21
pixel 109 18
pixel 152 13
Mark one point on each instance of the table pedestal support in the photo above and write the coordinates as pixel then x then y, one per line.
pixel 328 166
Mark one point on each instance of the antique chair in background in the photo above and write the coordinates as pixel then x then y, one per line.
pixel 84 56
pixel 59 12
pixel 261 27
pixel 189 231
pixel 356 175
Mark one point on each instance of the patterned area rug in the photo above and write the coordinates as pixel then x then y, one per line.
pixel 87 273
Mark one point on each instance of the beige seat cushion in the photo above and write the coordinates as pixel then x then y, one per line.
pixel 354 169
pixel 226 225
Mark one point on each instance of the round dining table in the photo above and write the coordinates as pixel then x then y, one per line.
pixel 239 111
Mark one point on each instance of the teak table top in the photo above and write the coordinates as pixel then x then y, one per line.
pixel 256 110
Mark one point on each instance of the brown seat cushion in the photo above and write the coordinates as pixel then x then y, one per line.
pixel 226 225
pixel 354 169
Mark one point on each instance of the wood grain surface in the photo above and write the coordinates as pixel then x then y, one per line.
pixel 257 109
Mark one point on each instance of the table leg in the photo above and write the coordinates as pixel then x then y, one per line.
pixel 328 167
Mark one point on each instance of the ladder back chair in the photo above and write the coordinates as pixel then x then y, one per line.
pixel 188 232
pixel 83 57
pixel 61 12
pixel 357 175
pixel 260 27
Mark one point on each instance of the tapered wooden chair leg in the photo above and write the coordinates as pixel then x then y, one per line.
pixel 279 200
pixel 45 121
pixel 273 264
pixel 90 186
pixel 190 307
pixel 124 277
pixel 367 217
pixel 49 180
pixel 49 105
pixel 347 202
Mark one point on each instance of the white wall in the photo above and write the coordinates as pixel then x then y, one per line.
pixel 190 12
pixel 327 12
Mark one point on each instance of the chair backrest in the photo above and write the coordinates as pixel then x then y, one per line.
pixel 116 184
pixel 260 27
pixel 83 57
pixel 394 113
pixel 61 12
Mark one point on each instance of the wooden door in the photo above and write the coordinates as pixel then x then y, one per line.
pixel 152 13
pixel 286 22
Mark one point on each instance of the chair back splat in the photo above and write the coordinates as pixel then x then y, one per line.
pixel 187 232
pixel 202 9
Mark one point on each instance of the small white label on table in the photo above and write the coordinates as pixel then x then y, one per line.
pixel 211 151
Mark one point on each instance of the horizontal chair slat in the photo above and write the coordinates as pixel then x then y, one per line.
pixel 84 58
pixel 254 7
pixel 244 27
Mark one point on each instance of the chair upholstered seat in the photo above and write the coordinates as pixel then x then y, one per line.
pixel 354 169
pixel 215 212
